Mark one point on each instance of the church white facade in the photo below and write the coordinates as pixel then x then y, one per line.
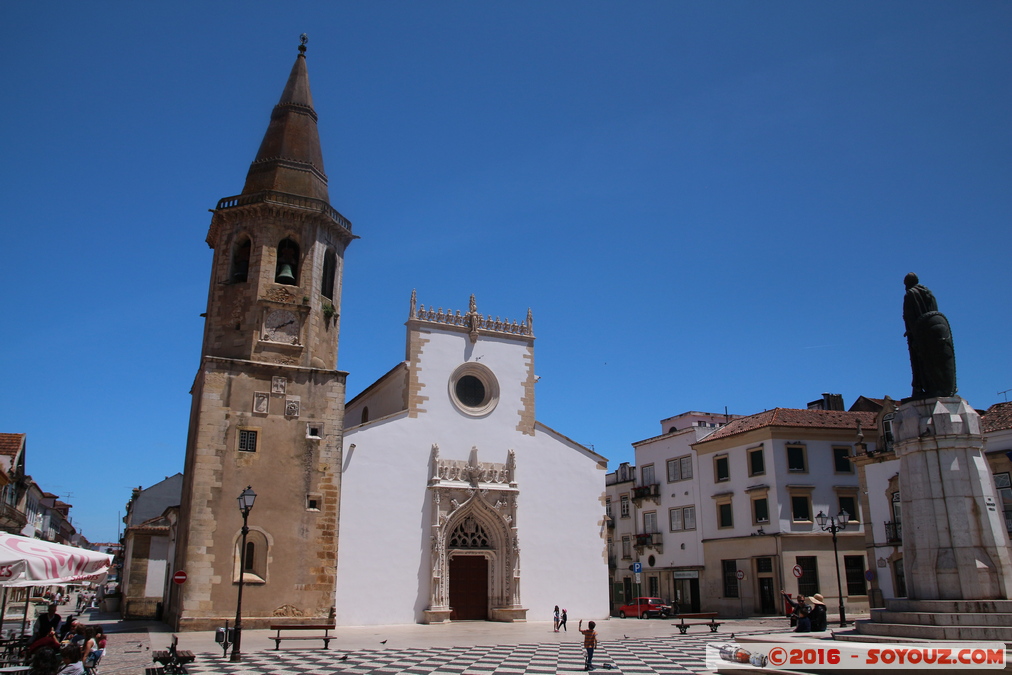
pixel 456 503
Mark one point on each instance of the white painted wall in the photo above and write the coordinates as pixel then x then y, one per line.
pixel 158 564
pixel 384 557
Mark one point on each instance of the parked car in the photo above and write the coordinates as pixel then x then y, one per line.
pixel 647 607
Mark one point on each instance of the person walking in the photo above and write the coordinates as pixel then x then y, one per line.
pixel 589 642
pixel 562 621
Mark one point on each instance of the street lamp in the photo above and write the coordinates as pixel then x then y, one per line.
pixel 835 524
pixel 246 500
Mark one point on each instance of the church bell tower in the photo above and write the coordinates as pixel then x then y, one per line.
pixel 268 401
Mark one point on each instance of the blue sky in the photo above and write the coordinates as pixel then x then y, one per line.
pixel 705 205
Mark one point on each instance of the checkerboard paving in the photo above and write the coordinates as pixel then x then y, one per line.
pixel 635 656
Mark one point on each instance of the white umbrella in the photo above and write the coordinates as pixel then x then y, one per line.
pixel 34 562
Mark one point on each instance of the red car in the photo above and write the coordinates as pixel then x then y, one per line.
pixel 646 607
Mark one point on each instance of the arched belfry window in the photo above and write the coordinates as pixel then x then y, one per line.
pixel 287 270
pixel 469 534
pixel 329 269
pixel 239 269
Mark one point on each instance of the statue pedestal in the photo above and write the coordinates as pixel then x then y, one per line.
pixel 955 545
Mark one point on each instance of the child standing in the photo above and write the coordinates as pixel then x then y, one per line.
pixel 556 618
pixel 589 642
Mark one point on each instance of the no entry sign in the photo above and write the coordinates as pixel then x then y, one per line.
pixel 179 577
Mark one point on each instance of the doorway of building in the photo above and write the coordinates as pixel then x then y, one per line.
pixel 687 595
pixel 469 588
pixel 767 599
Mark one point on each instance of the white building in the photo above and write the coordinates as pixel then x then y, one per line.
pixel 456 503
pixel 668 541
pixel 762 480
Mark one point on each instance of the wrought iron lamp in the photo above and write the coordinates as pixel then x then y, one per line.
pixel 834 524
pixel 246 500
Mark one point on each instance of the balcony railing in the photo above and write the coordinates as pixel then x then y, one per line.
pixel 894 531
pixel 646 491
pixel 297 201
pixel 11 519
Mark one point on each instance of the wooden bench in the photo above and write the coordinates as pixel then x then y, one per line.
pixel 326 637
pixel 173 660
pixel 684 627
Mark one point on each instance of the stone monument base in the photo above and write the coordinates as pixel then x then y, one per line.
pixel 979 620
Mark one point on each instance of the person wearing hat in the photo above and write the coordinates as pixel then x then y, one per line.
pixel 801 611
pixel 818 614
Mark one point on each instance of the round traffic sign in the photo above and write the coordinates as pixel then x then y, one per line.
pixel 740 574
pixel 798 571
pixel 870 575
pixel 179 577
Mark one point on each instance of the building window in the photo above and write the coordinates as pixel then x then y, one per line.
pixel 329 272
pixel 721 469
pixel 624 506
pixel 808 584
pixel 680 468
pixel 626 548
pixel 848 503
pixel 682 518
pixel 841 460
pixel 647 474
pixel 854 565
pixel 650 522
pixel 730 569
pixel 756 462
pixel 801 508
pixel 473 389
pixel 760 510
pixel 764 565
pixel 897 507
pixel 796 460
pixel 239 272
pixel 607 506
pixel 287 270
pixel 725 517
pixel 248 440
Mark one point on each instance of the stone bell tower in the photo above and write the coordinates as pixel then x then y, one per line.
pixel 268 402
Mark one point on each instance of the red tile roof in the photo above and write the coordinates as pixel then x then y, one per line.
pixel 10 444
pixel 795 417
pixel 997 417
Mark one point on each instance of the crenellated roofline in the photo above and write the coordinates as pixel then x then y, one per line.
pixel 471 321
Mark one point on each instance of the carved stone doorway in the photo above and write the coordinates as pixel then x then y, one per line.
pixel 469 588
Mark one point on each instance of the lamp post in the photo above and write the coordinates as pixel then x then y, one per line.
pixel 834 524
pixel 246 500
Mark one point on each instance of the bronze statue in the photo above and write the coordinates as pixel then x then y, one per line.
pixel 929 338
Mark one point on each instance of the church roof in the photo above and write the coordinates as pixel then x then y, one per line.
pixel 794 417
pixel 998 417
pixel 290 159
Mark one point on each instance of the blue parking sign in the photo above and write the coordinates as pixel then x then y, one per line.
pixel 637 567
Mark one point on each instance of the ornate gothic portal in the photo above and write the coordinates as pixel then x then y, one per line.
pixel 475 551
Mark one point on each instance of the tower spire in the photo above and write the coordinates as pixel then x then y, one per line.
pixel 290 159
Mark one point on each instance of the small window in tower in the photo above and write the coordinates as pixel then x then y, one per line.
pixel 251 550
pixel 365 414
pixel 287 271
pixel 240 261
pixel 247 440
pixel 329 270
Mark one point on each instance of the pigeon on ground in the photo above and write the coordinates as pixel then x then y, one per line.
pixel 343 658
pixel 383 642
